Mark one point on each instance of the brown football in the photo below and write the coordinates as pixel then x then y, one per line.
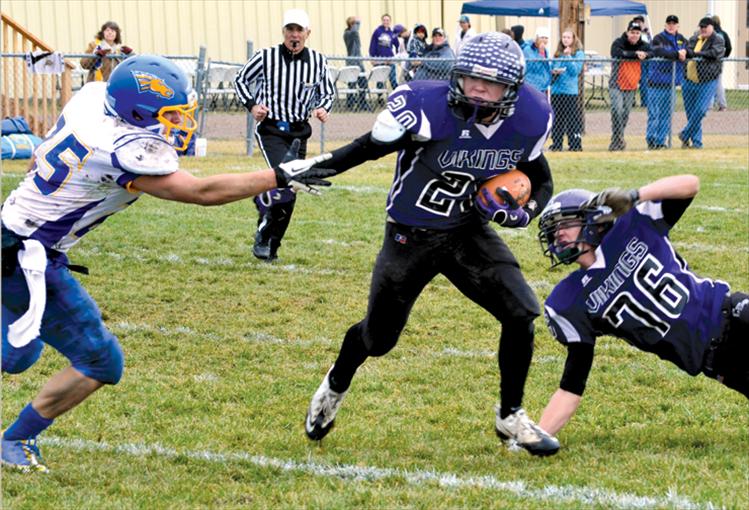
pixel 516 182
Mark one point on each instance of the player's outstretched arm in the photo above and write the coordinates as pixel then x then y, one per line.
pixel 559 410
pixel 671 187
pixel 224 188
pixel 182 186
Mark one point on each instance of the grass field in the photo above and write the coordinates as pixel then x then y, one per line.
pixel 223 354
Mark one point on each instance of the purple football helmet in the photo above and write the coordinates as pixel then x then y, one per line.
pixel 491 56
pixel 569 208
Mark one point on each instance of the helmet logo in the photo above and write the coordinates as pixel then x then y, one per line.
pixel 148 82
pixel 479 69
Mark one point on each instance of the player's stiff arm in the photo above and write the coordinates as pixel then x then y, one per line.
pixel 452 137
pixel 632 284
pixel 112 142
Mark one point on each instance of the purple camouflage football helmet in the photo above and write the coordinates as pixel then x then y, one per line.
pixel 570 208
pixel 491 56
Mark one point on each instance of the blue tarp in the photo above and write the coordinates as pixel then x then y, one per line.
pixel 550 8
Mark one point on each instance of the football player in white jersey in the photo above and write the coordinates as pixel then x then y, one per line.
pixel 112 142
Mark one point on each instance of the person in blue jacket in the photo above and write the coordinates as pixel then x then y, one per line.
pixel 663 77
pixel 384 43
pixel 538 70
pixel 565 73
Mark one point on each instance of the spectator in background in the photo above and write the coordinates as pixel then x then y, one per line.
pixel 720 92
pixel 702 79
pixel 646 36
pixel 671 45
pixel 439 48
pixel 384 44
pixel 538 70
pixel 517 35
pixel 566 69
pixel 464 34
pixel 107 42
pixel 416 47
pixel 352 39
pixel 629 51
pixel 402 35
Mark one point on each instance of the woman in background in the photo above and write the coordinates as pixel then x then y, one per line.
pixel 565 73
pixel 107 42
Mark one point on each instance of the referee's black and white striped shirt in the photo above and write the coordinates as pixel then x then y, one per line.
pixel 291 86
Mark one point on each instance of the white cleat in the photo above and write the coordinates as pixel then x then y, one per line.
pixel 322 410
pixel 519 431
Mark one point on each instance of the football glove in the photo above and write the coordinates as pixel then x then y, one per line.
pixel 619 200
pixel 508 214
pixel 299 174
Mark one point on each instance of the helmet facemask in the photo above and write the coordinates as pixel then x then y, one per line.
pixel 471 109
pixel 180 134
pixel 592 231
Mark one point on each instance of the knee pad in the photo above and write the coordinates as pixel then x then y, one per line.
pixel 105 365
pixel 518 331
pixel 17 360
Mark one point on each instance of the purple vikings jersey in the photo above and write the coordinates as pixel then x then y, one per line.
pixel 437 176
pixel 639 289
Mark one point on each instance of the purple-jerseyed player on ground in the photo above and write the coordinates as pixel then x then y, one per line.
pixel 632 284
pixel 451 137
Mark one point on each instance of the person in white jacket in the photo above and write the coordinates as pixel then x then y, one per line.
pixel 463 33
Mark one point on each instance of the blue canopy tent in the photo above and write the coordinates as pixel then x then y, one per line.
pixel 550 8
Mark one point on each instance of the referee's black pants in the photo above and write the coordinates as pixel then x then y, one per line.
pixel 276 206
pixel 474 259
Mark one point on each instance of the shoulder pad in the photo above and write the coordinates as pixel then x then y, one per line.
pixel 387 129
pixel 532 115
pixel 420 107
pixel 145 153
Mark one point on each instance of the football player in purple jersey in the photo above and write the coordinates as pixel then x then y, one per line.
pixel 113 142
pixel 632 284
pixel 451 136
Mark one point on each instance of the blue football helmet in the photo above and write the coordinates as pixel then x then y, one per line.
pixel 144 89
pixel 569 209
pixel 491 56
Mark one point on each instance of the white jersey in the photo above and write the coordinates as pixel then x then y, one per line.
pixel 83 172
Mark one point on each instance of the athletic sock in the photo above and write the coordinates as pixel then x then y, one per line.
pixel 28 425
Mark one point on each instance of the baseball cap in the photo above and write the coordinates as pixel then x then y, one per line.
pixel 397 29
pixel 542 32
pixel 438 31
pixel 296 17
pixel 634 25
pixel 464 19
pixel 672 18
pixel 639 17
pixel 707 20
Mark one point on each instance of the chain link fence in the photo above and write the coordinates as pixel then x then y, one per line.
pixel 615 105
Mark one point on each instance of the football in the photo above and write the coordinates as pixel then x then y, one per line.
pixel 515 181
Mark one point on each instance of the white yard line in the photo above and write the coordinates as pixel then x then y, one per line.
pixel 588 496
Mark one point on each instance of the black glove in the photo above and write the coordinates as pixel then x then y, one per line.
pixel 619 200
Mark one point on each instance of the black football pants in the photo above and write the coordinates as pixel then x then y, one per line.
pixel 276 206
pixel 732 355
pixel 478 263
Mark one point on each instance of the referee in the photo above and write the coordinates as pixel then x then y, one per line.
pixel 282 86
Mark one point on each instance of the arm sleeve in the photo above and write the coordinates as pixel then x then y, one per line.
pixel 373 43
pixel 360 150
pixel 674 209
pixel 577 367
pixel 542 186
pixel 251 71
pixel 88 63
pixel 326 90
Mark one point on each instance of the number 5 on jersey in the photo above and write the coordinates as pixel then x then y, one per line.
pixel 57 164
